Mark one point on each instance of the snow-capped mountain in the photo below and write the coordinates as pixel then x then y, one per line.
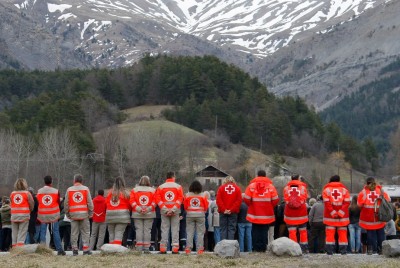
pixel 257 27
pixel 268 38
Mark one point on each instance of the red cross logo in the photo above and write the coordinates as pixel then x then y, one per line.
pixel 195 202
pixel 372 196
pixel 18 199
pixel 229 189
pixel 169 196
pixel 143 200
pixel 47 200
pixel 294 192
pixel 77 197
pixel 114 203
pixel 336 194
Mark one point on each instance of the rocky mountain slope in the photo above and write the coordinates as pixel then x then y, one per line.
pixel 294 46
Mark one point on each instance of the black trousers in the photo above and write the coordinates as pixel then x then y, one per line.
pixel 316 243
pixel 260 237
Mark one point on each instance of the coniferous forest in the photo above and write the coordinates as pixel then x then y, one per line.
pixel 205 91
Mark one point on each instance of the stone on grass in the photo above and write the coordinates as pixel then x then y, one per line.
pixel 285 246
pixel 31 248
pixel 227 249
pixel 391 248
pixel 112 248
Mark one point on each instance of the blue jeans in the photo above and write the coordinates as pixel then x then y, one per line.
pixel 56 234
pixel 217 234
pixel 245 234
pixel 355 237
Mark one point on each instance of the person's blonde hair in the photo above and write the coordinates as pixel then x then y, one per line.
pixel 229 179
pixel 118 188
pixel 21 185
pixel 144 181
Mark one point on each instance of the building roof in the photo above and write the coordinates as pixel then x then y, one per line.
pixel 211 171
pixel 392 190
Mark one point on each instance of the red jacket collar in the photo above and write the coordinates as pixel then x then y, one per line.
pixel 170 180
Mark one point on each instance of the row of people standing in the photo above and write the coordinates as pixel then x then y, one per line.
pixel 260 196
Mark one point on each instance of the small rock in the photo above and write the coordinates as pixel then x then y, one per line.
pixel 112 248
pixel 227 249
pixel 29 248
pixel 391 248
pixel 285 246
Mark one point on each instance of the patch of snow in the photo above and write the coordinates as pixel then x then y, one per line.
pixel 53 7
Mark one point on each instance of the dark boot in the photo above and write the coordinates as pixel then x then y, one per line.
pixel 329 249
pixel 343 249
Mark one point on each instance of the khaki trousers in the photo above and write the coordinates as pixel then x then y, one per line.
pixel 195 226
pixel 18 233
pixel 80 227
pixel 98 232
pixel 168 223
pixel 143 233
pixel 116 232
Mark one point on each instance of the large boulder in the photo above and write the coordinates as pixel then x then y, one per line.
pixel 227 249
pixel 112 248
pixel 391 248
pixel 285 246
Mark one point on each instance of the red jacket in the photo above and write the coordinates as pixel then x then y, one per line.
pixel 229 197
pixel 261 198
pixel 99 211
pixel 336 204
pixel 366 200
pixel 294 216
pixel 169 196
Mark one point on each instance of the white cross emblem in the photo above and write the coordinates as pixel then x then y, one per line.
pixel 77 197
pixel 47 200
pixel 114 203
pixel 169 196
pixel 143 200
pixel 195 202
pixel 18 199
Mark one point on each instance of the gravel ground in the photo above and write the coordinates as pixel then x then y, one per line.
pixel 135 259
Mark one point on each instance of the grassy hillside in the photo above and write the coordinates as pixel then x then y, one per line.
pixel 234 159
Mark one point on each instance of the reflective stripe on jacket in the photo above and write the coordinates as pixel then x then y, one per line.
pixel 78 204
pixel 336 199
pixel 195 205
pixel 21 206
pixel 169 195
pixel 366 201
pixel 142 199
pixel 118 211
pixel 261 198
pixel 294 216
pixel 49 206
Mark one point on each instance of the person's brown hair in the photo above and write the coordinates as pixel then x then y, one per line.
pixel 144 181
pixel 371 183
pixel 118 188
pixel 21 185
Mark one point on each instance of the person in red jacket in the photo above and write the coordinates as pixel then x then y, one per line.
pixel 99 225
pixel 336 214
pixel 261 198
pixel 368 220
pixel 169 198
pixel 229 198
pixel 118 211
pixel 295 213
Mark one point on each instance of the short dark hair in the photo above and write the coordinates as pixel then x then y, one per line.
pixel 334 178
pixel 295 177
pixel 78 178
pixel 100 192
pixel 170 174
pixel 261 173
pixel 196 187
pixel 48 180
